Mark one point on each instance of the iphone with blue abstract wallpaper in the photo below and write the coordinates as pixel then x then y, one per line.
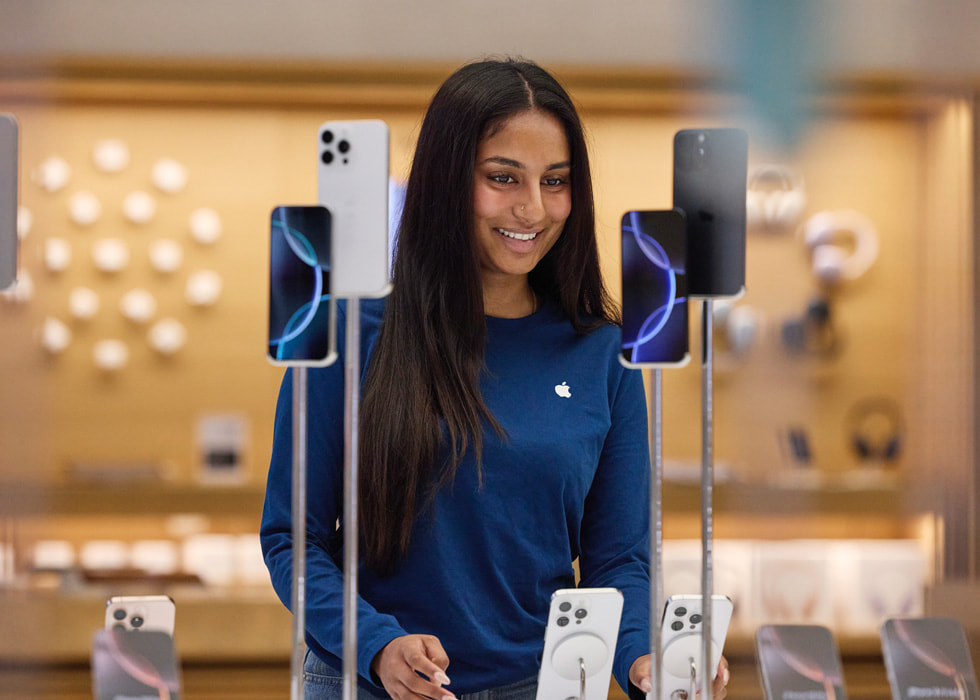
pixel 302 329
pixel 655 304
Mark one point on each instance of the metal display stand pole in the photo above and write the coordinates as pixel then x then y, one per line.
pixel 298 593
pixel 707 479
pixel 655 417
pixel 352 396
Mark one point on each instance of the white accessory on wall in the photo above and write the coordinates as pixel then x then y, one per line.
pixel 111 155
pixel 110 254
pixel 169 175
pixel 205 225
pixel 55 336
pixel 167 336
pixel 166 255
pixel 203 288
pixel 740 325
pixel 53 174
pixel 138 305
pixel 843 244
pixel 84 208
pixel 110 355
pixel 57 254
pixel 139 207
pixel 775 198
pixel 83 303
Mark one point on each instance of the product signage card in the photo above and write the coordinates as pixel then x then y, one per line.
pixel 134 665
pixel 928 659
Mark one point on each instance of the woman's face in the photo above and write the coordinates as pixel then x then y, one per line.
pixel 521 194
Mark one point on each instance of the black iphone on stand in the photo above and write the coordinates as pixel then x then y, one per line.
pixel 710 173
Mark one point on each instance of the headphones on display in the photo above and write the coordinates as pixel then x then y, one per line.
pixel 775 198
pixel 843 245
pixel 875 427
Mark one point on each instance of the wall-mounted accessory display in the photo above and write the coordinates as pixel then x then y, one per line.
pixel 111 155
pixel 96 204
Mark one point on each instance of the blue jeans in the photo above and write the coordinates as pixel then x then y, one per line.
pixel 323 682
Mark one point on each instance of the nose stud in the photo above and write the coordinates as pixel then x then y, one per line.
pixel 522 208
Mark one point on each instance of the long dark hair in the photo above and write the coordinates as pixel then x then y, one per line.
pixel 422 388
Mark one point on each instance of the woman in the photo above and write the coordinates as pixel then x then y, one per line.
pixel 500 438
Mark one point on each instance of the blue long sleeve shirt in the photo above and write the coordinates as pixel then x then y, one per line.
pixel 570 480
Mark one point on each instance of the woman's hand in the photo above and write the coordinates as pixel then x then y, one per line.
pixel 719 688
pixel 640 677
pixel 400 662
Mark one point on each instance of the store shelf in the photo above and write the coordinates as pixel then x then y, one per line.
pixel 138 498
pixel 774 499
pixel 734 496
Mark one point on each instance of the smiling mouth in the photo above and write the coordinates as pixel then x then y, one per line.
pixel 518 236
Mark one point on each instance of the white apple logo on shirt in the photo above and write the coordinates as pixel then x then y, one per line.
pixel 563 390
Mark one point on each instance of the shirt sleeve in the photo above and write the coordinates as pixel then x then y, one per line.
pixel 615 548
pixel 324 578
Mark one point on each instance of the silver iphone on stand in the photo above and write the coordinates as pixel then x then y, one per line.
pixel 579 643
pixel 353 185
